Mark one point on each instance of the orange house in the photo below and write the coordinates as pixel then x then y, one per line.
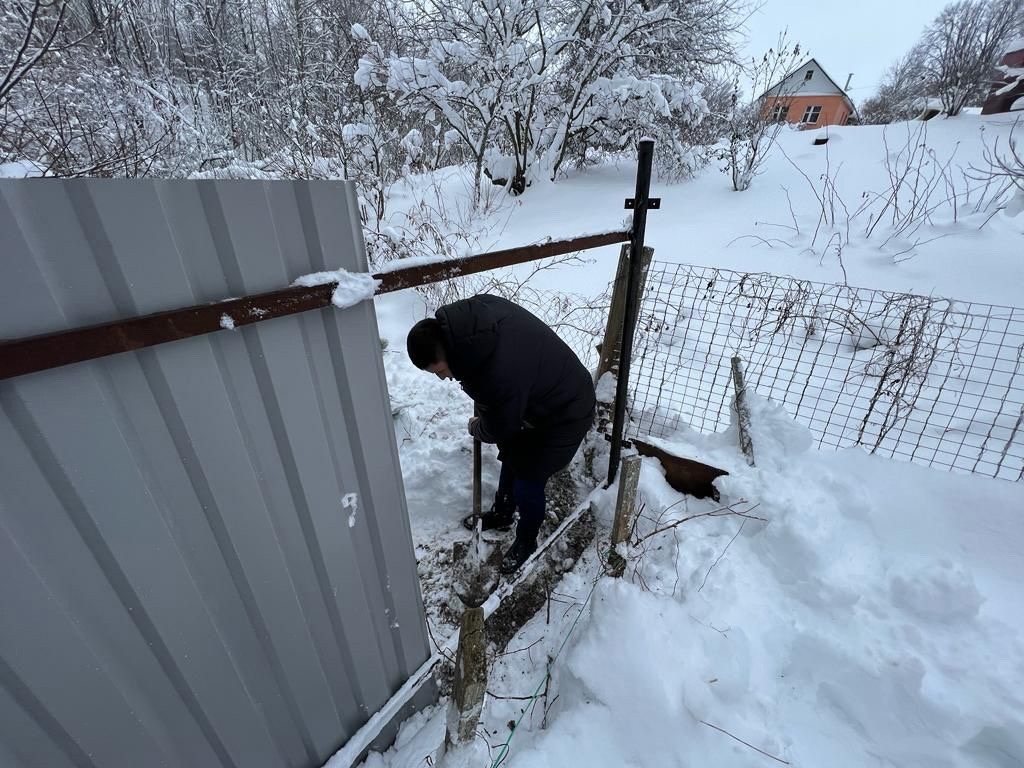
pixel 807 97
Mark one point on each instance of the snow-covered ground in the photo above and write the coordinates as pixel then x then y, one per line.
pixel 704 222
pixel 872 616
pixel 861 613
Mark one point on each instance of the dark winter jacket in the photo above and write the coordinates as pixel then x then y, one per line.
pixel 515 368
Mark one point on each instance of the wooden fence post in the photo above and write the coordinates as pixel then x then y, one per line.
pixel 625 510
pixel 470 678
pixel 616 315
pixel 475 577
pixel 612 341
pixel 742 409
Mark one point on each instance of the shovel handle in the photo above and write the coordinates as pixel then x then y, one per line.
pixel 477 461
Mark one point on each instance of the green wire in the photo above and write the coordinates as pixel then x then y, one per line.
pixel 533 699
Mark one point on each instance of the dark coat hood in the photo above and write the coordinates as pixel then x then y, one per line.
pixel 470 330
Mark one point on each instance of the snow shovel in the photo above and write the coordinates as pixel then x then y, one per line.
pixel 469 522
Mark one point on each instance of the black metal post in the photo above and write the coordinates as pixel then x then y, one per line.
pixel 640 204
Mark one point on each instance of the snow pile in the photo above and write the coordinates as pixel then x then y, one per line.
pixel 815 634
pixel 855 612
pixel 351 288
pixel 418 736
pixel 21 169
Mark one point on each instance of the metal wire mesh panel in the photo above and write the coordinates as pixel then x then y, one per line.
pixel 579 321
pixel 934 381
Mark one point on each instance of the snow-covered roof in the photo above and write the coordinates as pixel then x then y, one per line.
pixel 820 83
pixel 1015 45
pixel 1017 105
pixel 1013 76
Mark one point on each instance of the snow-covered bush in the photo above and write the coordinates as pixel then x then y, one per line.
pixel 83 116
pixel 532 84
pixel 902 86
pixel 752 124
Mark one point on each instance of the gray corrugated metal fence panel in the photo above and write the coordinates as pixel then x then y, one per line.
pixel 179 582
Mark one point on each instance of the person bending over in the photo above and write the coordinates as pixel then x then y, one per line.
pixel 534 397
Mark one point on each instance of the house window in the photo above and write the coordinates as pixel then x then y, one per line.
pixel 811 115
pixel 809 74
pixel 780 113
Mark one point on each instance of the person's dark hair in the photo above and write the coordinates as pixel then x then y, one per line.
pixel 425 344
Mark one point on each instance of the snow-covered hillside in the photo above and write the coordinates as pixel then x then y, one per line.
pixel 970 251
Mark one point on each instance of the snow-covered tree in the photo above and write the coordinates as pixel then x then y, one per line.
pixel 610 91
pixel 477 53
pixel 903 85
pixel 370 90
pixel 528 84
pixel 962 46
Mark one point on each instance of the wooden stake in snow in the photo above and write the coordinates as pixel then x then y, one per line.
pixel 475 578
pixel 624 510
pixel 470 678
pixel 742 410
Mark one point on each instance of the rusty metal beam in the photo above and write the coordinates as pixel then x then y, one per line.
pixel 52 350
pixel 431 273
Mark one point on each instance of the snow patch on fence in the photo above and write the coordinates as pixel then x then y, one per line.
pixel 351 288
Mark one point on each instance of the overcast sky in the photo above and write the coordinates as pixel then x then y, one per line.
pixel 858 36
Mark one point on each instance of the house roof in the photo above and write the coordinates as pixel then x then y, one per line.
pixel 821 69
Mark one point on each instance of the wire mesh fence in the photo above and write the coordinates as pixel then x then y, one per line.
pixel 577 319
pixel 934 381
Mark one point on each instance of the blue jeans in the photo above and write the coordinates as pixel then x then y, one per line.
pixel 527 495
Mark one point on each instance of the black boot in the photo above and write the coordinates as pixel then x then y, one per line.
pixel 518 554
pixel 499 518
